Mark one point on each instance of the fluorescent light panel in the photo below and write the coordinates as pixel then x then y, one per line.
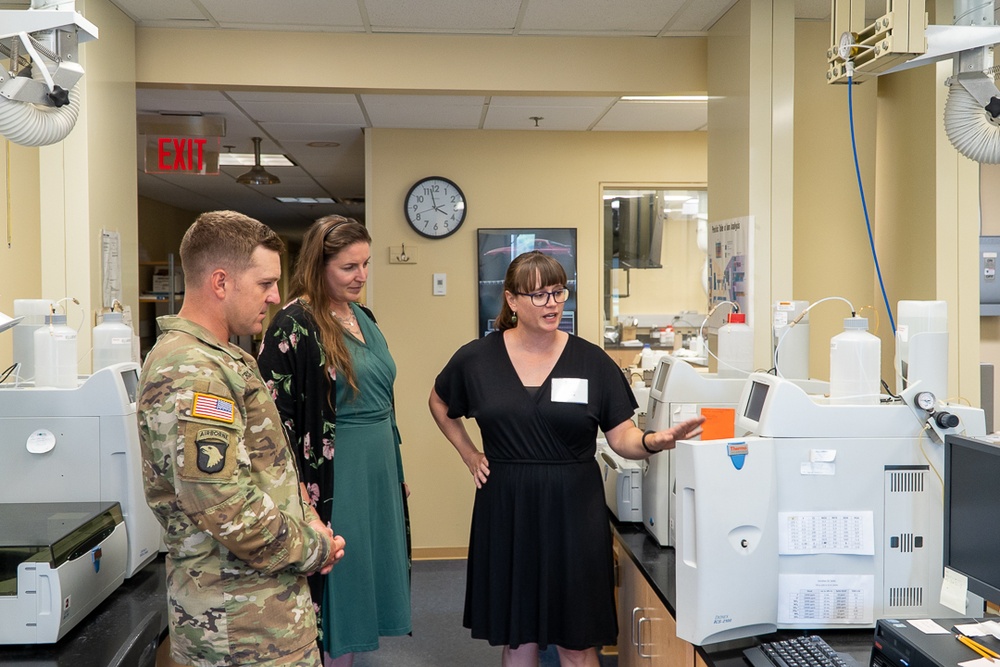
pixel 246 160
pixel 665 98
pixel 305 200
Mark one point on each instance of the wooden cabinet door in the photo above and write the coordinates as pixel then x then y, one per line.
pixel 659 637
pixel 647 633
pixel 631 598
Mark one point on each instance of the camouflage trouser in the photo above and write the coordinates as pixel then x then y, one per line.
pixel 308 657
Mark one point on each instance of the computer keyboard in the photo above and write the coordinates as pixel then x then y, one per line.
pixel 810 651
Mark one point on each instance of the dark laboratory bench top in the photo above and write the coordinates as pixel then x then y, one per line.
pixel 656 563
pixel 113 624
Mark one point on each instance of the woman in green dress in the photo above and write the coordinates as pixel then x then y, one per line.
pixel 332 376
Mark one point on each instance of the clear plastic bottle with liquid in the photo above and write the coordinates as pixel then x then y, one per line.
pixel 855 365
pixel 55 354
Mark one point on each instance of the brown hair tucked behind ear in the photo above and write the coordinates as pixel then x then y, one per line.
pixel 527 273
pixel 325 239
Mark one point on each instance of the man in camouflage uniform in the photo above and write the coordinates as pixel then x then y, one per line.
pixel 217 468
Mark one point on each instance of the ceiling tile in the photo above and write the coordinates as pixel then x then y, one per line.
pixel 555 113
pixel 700 16
pixel 465 16
pixel 290 109
pixel 303 133
pixel 424 111
pixel 158 10
pixel 637 17
pixel 269 14
pixel 649 116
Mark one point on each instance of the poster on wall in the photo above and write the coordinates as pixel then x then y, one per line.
pixel 730 249
pixel 498 247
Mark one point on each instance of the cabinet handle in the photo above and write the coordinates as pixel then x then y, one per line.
pixel 642 643
pixel 634 628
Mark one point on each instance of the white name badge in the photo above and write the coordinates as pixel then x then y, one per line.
pixel 569 390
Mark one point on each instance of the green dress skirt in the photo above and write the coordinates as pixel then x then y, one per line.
pixel 368 591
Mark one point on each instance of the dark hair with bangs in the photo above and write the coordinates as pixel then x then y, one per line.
pixel 525 274
pixel 224 239
pixel 323 241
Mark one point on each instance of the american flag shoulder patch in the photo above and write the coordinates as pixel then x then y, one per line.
pixel 208 406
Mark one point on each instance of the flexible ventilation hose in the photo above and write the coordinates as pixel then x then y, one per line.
pixel 967 127
pixel 33 125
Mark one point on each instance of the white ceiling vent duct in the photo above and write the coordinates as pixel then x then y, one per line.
pixel 969 121
pixel 973 105
pixel 39 97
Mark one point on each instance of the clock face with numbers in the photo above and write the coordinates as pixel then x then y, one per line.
pixel 435 207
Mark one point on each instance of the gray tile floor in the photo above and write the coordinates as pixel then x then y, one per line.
pixel 439 640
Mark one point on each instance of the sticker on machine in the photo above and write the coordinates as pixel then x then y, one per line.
pixel 810 600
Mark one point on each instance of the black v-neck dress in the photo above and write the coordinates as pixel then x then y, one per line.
pixel 540 564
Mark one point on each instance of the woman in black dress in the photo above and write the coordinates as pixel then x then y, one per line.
pixel 540 567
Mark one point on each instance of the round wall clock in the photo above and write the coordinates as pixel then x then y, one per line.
pixel 435 207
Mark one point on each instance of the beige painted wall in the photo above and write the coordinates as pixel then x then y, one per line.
pixel 511 179
pixel 831 256
pixel 66 193
pixel 161 228
pixel 423 63
pixel 20 270
pixel 750 111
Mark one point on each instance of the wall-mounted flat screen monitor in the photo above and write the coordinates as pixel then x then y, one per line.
pixel 498 247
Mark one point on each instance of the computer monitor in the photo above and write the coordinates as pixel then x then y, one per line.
pixel 971 508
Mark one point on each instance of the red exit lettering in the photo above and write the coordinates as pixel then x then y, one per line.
pixel 181 154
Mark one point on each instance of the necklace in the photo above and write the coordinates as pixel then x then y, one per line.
pixel 348 321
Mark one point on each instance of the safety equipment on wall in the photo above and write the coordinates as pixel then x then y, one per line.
pixel 39 95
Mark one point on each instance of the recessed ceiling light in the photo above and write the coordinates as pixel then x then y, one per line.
pixel 664 98
pixel 323 144
pixel 247 160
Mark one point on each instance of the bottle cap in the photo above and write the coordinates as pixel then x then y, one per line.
pixel 856 323
pixel 737 318
pixel 111 317
pixel 55 318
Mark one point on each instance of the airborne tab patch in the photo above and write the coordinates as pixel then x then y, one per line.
pixel 208 406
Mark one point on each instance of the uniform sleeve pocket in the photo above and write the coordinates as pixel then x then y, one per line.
pixel 209 452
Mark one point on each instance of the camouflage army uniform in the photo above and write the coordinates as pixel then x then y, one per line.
pixel 222 480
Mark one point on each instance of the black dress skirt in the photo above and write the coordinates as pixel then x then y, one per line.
pixel 540 566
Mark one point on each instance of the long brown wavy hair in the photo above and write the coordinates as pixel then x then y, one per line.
pixel 325 239
pixel 526 273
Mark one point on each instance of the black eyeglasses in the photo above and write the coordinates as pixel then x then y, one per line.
pixel 542 298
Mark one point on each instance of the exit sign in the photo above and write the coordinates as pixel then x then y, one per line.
pixel 182 155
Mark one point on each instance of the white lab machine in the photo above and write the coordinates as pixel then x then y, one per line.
pixel 79 445
pixel 680 392
pixel 622 483
pixel 826 516
pixel 922 346
pixel 58 561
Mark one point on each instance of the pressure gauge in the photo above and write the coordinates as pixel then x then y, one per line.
pixel 925 400
pixel 847 46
